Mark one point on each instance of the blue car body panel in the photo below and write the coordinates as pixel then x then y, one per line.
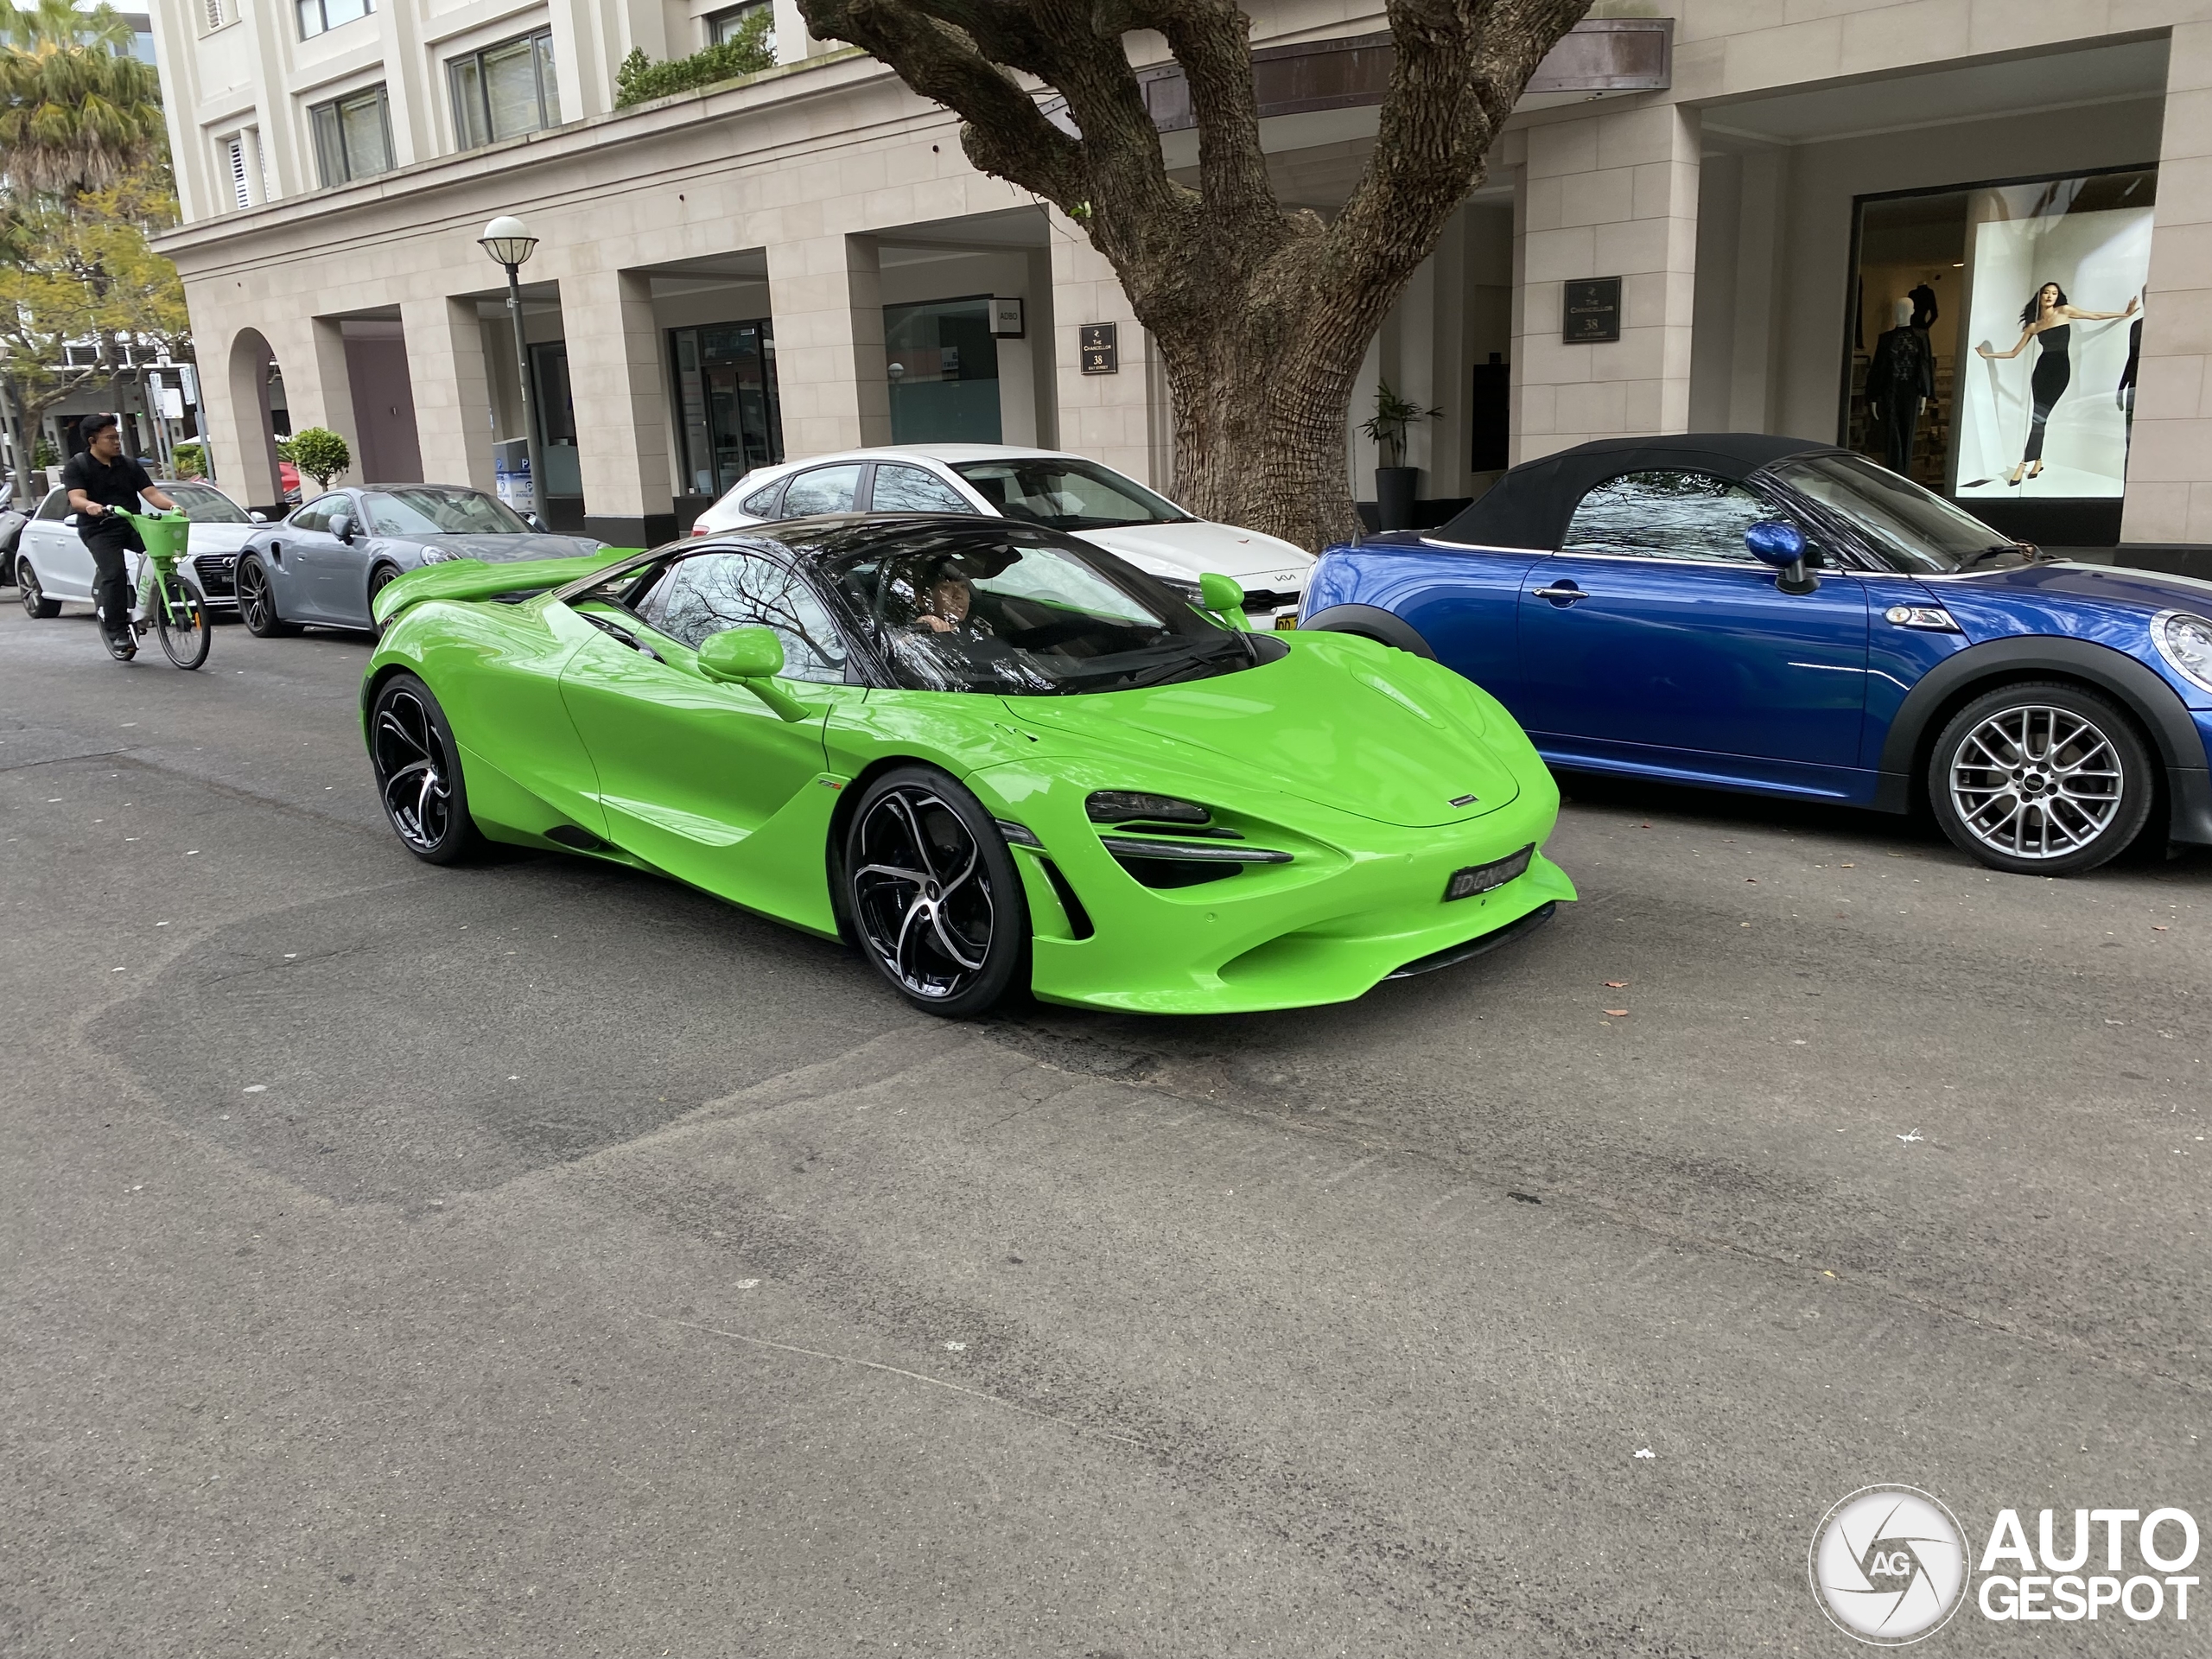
pixel 1706 674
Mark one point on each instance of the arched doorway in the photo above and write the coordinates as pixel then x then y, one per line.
pixel 245 427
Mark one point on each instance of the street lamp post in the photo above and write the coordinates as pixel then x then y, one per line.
pixel 510 243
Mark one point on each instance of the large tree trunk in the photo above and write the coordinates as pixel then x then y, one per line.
pixel 1261 315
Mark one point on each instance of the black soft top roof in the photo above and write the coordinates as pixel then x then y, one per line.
pixel 1531 504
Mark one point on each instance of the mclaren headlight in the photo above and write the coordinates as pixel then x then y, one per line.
pixel 1117 805
pixel 2185 641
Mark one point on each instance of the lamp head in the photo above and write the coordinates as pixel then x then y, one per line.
pixel 508 240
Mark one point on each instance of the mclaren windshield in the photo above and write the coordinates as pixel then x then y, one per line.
pixel 1912 529
pixel 1024 614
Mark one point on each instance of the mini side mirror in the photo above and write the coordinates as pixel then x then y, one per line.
pixel 1775 542
pixel 1224 596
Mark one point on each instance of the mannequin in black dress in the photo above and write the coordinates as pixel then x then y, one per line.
pixel 2048 319
pixel 1899 382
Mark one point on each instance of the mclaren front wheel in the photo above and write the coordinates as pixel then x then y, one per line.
pixel 935 899
pixel 418 766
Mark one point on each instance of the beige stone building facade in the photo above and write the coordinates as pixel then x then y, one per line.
pixel 804 261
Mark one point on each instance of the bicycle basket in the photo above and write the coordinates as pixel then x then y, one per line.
pixel 169 536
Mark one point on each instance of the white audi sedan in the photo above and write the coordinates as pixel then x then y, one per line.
pixel 1038 486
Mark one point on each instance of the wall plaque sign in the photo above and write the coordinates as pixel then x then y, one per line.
pixel 1102 350
pixel 1591 310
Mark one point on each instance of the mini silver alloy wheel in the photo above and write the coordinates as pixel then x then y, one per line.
pixel 413 770
pixel 2036 782
pixel 921 892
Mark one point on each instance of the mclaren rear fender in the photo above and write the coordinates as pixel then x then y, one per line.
pixel 467 579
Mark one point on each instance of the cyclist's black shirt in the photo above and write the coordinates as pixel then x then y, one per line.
pixel 112 487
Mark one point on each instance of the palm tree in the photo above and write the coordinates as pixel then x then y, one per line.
pixel 76 111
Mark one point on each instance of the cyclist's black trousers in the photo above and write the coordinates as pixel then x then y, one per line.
pixel 111 546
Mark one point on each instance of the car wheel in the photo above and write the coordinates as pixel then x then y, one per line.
pixel 2041 780
pixel 418 766
pixel 257 602
pixel 935 899
pixel 380 579
pixel 35 603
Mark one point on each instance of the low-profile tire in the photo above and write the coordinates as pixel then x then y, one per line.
pixel 257 602
pixel 417 767
pixel 35 603
pixel 936 906
pixel 380 579
pixel 2040 778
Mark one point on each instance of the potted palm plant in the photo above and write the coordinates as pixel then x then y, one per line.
pixel 1396 484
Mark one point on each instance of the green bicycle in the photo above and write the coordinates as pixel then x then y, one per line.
pixel 174 611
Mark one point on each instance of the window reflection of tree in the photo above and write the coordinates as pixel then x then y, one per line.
pixel 708 594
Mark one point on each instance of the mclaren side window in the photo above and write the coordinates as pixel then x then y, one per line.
pixel 708 593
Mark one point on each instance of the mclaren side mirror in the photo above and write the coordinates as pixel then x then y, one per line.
pixel 1224 597
pixel 1781 544
pixel 751 657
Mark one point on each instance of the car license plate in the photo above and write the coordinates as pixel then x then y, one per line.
pixel 1482 878
pixel 1287 619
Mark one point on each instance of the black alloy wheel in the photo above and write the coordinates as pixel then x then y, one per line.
pixel 257 602
pixel 933 893
pixel 36 605
pixel 418 766
pixel 380 579
pixel 185 631
pixel 2041 778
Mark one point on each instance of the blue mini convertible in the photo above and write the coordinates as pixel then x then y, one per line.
pixel 1766 615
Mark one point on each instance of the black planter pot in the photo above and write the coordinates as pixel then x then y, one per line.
pixel 1395 489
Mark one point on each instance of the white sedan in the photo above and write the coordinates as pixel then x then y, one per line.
pixel 51 564
pixel 1038 486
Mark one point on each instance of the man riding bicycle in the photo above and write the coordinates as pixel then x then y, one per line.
pixel 100 481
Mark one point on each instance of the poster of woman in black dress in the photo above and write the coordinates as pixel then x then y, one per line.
pixel 2048 319
pixel 2037 414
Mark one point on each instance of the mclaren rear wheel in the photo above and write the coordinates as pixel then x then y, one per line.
pixel 935 899
pixel 418 766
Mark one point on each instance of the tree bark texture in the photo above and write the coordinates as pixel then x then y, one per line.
pixel 1261 315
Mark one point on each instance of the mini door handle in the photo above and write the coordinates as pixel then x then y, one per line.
pixel 1566 595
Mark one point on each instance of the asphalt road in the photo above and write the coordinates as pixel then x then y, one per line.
pixel 536 1258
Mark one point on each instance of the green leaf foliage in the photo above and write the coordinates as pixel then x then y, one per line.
pixel 639 79
pixel 319 453
pixel 190 459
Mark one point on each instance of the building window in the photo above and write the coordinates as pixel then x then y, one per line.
pixel 218 12
pixel 235 157
pixel 316 17
pixel 736 22
pixel 727 414
pixel 505 91
pixel 1991 343
pixel 944 365
pixel 353 135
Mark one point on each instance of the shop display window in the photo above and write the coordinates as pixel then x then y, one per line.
pixel 1994 335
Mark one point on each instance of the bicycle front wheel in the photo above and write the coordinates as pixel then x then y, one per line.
pixel 181 620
